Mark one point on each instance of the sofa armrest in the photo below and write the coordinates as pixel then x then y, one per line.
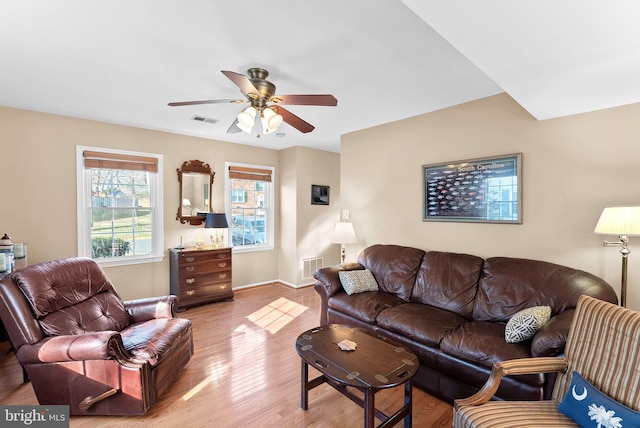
pixel 328 280
pixel 509 368
pixel 328 283
pixel 551 339
pixel 152 308
pixel 81 347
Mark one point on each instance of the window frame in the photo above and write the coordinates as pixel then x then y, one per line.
pixel 270 208
pixel 83 192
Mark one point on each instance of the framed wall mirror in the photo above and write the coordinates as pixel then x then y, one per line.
pixel 196 181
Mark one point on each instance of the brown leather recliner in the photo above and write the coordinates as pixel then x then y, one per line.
pixel 81 345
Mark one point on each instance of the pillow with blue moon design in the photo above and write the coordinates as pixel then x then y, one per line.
pixel 589 407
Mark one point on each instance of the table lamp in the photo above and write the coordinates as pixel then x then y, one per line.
pixel 216 221
pixel 624 222
pixel 343 234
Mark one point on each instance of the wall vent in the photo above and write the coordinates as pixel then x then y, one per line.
pixel 205 119
pixel 309 266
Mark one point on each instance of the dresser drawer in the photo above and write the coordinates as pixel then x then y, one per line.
pixel 206 267
pixel 205 279
pixel 202 257
pixel 211 291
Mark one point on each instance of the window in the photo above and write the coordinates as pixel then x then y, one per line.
pixel 120 217
pixel 249 206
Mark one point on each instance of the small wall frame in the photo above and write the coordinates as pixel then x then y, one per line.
pixel 319 195
pixel 485 190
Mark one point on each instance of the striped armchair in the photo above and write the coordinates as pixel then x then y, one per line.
pixel 603 346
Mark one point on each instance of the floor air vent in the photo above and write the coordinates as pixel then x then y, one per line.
pixel 309 266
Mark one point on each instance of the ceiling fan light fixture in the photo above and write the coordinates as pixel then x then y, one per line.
pixel 247 118
pixel 270 120
pixel 246 129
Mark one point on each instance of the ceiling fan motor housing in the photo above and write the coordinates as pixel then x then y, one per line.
pixel 257 76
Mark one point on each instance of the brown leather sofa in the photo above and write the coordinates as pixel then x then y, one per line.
pixel 82 346
pixel 451 311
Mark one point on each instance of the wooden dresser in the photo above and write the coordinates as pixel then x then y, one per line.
pixel 200 276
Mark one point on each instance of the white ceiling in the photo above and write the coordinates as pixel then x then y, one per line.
pixel 122 61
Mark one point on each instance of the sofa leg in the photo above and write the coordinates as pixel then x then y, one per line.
pixel 90 401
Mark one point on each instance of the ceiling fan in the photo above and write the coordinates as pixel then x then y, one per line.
pixel 264 103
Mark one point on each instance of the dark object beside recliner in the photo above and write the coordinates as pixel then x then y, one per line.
pixel 81 345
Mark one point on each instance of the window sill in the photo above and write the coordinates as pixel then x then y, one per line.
pixel 131 260
pixel 252 248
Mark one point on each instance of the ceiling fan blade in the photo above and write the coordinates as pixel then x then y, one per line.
pixel 293 120
pixel 242 82
pixel 193 103
pixel 305 100
pixel 233 129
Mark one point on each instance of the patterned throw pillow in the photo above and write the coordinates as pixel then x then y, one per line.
pixel 588 406
pixel 357 281
pixel 524 324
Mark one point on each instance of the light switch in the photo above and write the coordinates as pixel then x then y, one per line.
pixel 345 214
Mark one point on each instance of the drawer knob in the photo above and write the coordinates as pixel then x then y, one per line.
pixel 191 280
pixel 190 259
pixel 222 264
pixel 223 286
pixel 190 268
pixel 222 256
pixel 191 292
pixel 222 275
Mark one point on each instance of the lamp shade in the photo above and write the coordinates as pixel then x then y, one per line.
pixel 270 120
pixel 344 234
pixel 619 221
pixel 216 221
pixel 247 117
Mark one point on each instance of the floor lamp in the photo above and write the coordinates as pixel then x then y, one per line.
pixel 624 222
pixel 343 234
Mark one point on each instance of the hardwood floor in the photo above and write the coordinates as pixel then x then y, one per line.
pixel 246 373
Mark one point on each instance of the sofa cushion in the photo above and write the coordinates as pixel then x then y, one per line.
pixel 448 281
pixel 422 323
pixel 357 281
pixel 483 343
pixel 525 324
pixel 364 306
pixel 393 266
pixel 508 285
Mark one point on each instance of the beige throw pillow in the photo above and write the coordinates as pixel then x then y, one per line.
pixel 357 281
pixel 524 324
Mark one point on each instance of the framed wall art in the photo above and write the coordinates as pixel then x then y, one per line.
pixel 319 195
pixel 487 190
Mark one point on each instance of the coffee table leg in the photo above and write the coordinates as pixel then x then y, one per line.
pixel 304 385
pixel 369 408
pixel 408 402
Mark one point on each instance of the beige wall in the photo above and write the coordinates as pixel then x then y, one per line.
pixel 39 192
pixel 572 168
pixel 306 228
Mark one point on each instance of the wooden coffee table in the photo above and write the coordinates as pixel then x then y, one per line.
pixel 374 365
